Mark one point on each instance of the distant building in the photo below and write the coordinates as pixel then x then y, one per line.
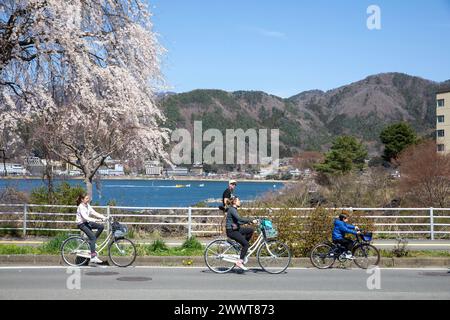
pixel 34 165
pixel 71 167
pixel 197 170
pixel 153 168
pixel 443 121
pixel 117 171
pixel 180 171
pixel 295 172
pixel 103 171
pixel 12 169
pixel 286 161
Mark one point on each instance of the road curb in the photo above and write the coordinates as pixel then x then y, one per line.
pixel 53 260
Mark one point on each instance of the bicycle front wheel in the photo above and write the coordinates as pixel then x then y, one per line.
pixel 366 255
pixel 274 256
pixel 75 251
pixel 217 253
pixel 322 257
pixel 122 252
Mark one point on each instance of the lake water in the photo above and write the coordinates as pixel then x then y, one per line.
pixel 158 193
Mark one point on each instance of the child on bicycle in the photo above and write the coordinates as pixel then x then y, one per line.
pixel 341 228
pixel 85 223
pixel 236 232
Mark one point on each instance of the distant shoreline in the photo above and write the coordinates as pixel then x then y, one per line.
pixel 148 178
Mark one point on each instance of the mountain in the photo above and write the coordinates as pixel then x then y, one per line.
pixel 311 119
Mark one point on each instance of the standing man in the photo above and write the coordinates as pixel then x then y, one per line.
pixel 229 192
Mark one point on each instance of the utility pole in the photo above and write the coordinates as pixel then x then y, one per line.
pixel 3 154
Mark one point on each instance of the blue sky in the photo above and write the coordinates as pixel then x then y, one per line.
pixel 288 46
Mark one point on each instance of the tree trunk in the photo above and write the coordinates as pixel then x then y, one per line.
pixel 88 182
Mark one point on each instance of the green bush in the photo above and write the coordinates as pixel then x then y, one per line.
pixel 64 194
pixel 158 245
pixel 53 246
pixel 192 243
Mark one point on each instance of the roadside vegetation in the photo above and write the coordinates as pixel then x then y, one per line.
pixel 191 247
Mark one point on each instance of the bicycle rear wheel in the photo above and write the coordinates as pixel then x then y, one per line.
pixel 122 252
pixel 75 251
pixel 366 255
pixel 322 257
pixel 274 256
pixel 216 252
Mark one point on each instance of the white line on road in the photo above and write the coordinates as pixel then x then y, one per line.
pixel 204 268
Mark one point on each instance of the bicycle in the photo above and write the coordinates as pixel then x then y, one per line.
pixel 324 255
pixel 75 250
pixel 273 256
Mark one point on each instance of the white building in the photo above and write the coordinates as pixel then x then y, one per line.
pixel 153 168
pixel 117 171
pixel 180 171
pixel 295 173
pixel 12 169
pixel 76 172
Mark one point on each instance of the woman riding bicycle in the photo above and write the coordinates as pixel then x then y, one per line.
pixel 341 228
pixel 236 232
pixel 85 223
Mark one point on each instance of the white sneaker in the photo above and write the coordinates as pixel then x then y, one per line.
pixel 96 260
pixel 240 265
pixel 349 256
pixel 245 260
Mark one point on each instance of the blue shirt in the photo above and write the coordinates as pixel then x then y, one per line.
pixel 341 229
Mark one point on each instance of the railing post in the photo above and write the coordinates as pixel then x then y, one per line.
pixel 108 214
pixel 25 211
pixel 189 222
pixel 432 223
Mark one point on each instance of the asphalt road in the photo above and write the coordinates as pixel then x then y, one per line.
pixel 199 283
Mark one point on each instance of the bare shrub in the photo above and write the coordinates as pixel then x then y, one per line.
pixel 425 176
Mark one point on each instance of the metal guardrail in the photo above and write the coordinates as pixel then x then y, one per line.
pixel 429 224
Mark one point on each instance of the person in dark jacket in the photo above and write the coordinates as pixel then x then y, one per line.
pixel 341 228
pixel 236 232
pixel 229 192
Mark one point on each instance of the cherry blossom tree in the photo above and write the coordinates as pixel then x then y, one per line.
pixel 84 73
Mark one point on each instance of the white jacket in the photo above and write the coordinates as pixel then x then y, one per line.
pixel 83 213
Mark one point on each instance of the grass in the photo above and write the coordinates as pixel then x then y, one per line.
pixel 191 247
pixel 14 249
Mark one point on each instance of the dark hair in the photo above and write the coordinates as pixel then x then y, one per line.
pixel 342 216
pixel 80 198
pixel 232 200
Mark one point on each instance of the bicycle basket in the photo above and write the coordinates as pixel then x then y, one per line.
pixel 268 229
pixel 367 236
pixel 119 230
